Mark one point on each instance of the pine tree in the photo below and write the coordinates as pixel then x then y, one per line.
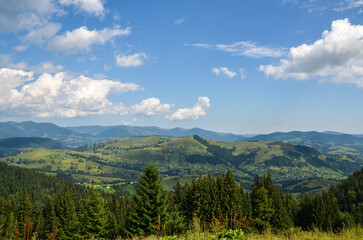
pixel 262 205
pixel 150 203
pixel 68 215
pixel 49 218
pixel 93 218
pixel 24 211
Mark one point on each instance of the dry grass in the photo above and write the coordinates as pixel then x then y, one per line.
pixel 292 234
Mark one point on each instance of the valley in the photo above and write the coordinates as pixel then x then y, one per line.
pixel 118 163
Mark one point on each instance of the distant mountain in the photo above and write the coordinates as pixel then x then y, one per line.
pixel 30 142
pixel 326 143
pixel 135 131
pixel 10 146
pixel 79 136
pixel 45 130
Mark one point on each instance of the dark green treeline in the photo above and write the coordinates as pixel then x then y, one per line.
pixel 207 201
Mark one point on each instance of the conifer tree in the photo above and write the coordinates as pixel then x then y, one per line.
pixel 150 203
pixel 93 218
pixel 49 218
pixel 24 211
pixel 68 215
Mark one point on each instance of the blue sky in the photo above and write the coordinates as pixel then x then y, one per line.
pixel 231 66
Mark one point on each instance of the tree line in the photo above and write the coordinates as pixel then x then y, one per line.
pixel 208 203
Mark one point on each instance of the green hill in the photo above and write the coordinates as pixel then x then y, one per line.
pixel 120 161
pixel 324 142
pixel 16 145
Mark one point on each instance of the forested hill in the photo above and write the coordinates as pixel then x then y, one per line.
pixel 326 143
pixel 13 181
pixel 350 195
pixel 11 146
pixel 292 166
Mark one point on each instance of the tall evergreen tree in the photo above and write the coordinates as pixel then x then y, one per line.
pixel 24 211
pixel 49 218
pixel 150 203
pixel 93 217
pixel 68 215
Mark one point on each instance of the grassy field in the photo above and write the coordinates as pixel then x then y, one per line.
pixel 293 234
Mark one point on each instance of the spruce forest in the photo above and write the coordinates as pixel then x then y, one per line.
pixel 218 206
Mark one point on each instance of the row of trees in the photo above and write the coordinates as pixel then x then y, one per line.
pixel 209 202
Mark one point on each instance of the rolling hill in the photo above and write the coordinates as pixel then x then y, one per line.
pixel 16 145
pixel 324 142
pixel 296 168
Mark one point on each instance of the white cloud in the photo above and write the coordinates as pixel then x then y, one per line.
pixel 242 72
pixel 338 55
pixel 195 112
pixel 17 15
pixel 47 67
pixel 43 67
pixel 134 60
pixel 5 61
pixel 224 71
pixel 9 80
pixel 149 107
pixel 40 35
pixel 59 95
pixel 248 49
pixel 89 6
pixel 179 21
pixel 81 39
pixel 349 4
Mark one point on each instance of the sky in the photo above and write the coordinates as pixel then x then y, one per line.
pixel 244 67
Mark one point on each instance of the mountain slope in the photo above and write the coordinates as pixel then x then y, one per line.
pixel 10 146
pixel 189 156
pixel 326 143
pixel 135 131
pixel 13 181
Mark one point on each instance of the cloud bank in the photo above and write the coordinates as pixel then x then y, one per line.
pixel 60 94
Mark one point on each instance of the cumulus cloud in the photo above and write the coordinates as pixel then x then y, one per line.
pixel 246 48
pixel 224 71
pixel 39 35
pixel 9 80
pixel 81 39
pixel 149 107
pixel 17 15
pixel 47 67
pixel 59 94
pixel 338 56
pixel 94 7
pixel 195 112
pixel 6 61
pixel 134 60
